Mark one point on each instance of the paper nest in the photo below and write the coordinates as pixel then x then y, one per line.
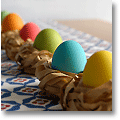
pixel 28 56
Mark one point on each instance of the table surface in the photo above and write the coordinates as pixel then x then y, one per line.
pixel 97 28
pixel 20 92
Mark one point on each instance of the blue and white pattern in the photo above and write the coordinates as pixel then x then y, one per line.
pixel 20 92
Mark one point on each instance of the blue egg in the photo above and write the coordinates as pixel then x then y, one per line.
pixel 69 57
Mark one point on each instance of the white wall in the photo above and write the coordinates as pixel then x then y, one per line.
pixel 60 9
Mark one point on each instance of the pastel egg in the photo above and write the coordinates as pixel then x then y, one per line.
pixel 4 14
pixel 47 39
pixel 12 22
pixel 69 57
pixel 29 30
pixel 98 69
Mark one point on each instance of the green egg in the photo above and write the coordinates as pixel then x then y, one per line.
pixel 47 39
pixel 4 14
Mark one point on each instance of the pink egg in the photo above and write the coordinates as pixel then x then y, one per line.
pixel 29 30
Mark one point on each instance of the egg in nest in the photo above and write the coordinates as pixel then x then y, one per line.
pixel 29 30
pixel 12 22
pixel 98 69
pixel 69 57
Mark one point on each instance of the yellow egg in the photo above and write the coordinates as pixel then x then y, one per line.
pixel 98 69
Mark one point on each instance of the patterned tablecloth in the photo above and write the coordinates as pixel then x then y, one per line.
pixel 20 92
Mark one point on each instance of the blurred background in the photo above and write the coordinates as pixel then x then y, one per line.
pixel 90 16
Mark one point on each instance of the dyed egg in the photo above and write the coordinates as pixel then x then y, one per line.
pixel 12 22
pixel 47 39
pixel 4 14
pixel 69 57
pixel 30 30
pixel 98 69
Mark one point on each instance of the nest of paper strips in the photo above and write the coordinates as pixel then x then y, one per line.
pixel 11 42
pixel 83 98
pixel 74 96
pixel 28 56
pixel 7 35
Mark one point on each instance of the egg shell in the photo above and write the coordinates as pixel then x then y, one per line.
pixel 69 57
pixel 4 14
pixel 98 69
pixel 12 22
pixel 29 30
pixel 47 39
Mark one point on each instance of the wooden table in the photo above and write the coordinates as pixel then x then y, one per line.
pixel 98 28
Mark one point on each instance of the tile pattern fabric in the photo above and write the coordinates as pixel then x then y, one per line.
pixel 20 92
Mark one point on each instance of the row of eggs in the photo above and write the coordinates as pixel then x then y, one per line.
pixel 68 56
